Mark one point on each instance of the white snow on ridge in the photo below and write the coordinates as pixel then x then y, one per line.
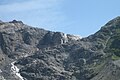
pixel 74 37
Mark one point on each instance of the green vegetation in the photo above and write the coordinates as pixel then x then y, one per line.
pixel 117 31
pixel 114 57
pixel 113 45
pixel 98 67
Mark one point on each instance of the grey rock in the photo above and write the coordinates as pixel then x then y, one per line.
pixel 44 55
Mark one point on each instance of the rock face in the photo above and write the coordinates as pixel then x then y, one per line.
pixel 28 53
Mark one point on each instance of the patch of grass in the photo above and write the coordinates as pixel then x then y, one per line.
pixel 114 57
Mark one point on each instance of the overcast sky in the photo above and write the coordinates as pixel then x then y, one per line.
pixel 79 17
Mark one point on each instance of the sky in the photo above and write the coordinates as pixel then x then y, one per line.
pixel 78 17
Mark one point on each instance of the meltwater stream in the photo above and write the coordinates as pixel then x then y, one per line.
pixel 15 70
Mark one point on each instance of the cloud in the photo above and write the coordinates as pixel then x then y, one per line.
pixel 28 5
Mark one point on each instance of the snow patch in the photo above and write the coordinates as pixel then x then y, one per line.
pixel 74 37
pixel 64 39
pixel 0 71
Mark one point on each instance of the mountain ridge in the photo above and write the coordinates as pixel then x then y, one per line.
pixel 29 53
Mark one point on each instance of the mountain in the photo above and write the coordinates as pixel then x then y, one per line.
pixel 28 53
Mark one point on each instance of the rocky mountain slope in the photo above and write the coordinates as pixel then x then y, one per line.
pixel 28 53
